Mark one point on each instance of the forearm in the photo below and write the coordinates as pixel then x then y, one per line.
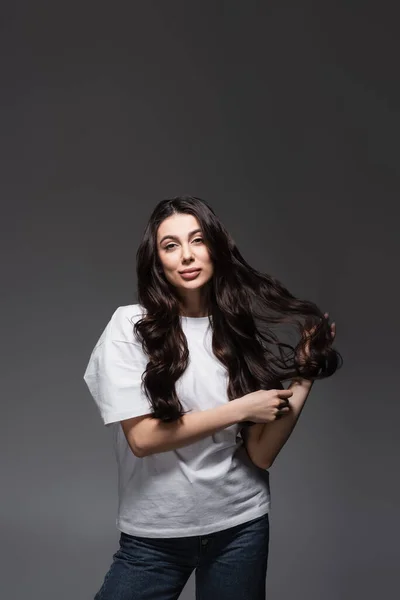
pixel 274 435
pixel 158 437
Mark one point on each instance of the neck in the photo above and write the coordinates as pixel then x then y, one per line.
pixel 195 308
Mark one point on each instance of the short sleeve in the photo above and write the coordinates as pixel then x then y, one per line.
pixel 114 372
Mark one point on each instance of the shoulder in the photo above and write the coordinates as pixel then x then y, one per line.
pixel 123 319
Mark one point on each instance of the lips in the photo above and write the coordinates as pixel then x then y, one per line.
pixel 189 271
pixel 190 275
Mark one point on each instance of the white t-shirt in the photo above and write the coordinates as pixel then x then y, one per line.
pixel 206 486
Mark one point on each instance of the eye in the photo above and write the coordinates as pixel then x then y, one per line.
pixel 167 247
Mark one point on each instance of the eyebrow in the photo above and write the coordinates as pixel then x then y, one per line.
pixel 174 237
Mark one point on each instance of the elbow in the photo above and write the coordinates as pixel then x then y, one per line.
pixel 141 452
pixel 262 464
pixel 270 462
pixel 260 461
pixel 265 465
pixel 136 450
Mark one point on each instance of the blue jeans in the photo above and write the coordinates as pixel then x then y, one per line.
pixel 229 565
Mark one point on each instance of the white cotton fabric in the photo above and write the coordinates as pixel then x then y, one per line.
pixel 206 486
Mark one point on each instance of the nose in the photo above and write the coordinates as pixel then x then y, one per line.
pixel 187 253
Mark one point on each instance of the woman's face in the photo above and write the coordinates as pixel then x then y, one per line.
pixel 180 246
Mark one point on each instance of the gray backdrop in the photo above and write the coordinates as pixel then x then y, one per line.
pixel 284 116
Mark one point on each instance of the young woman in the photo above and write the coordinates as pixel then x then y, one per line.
pixel 190 379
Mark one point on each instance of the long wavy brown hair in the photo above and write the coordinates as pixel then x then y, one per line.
pixel 244 306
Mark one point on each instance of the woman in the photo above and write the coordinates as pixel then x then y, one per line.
pixel 190 379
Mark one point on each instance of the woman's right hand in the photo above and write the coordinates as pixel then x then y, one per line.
pixel 265 406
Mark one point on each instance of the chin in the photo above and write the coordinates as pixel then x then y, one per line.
pixel 191 284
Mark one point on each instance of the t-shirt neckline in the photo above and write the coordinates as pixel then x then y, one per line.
pixel 198 322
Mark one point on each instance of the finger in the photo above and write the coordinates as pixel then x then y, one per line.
pixel 284 393
pixel 281 412
pixel 283 404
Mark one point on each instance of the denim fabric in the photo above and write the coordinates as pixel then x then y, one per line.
pixel 229 565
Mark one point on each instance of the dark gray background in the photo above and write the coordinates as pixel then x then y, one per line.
pixel 284 116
